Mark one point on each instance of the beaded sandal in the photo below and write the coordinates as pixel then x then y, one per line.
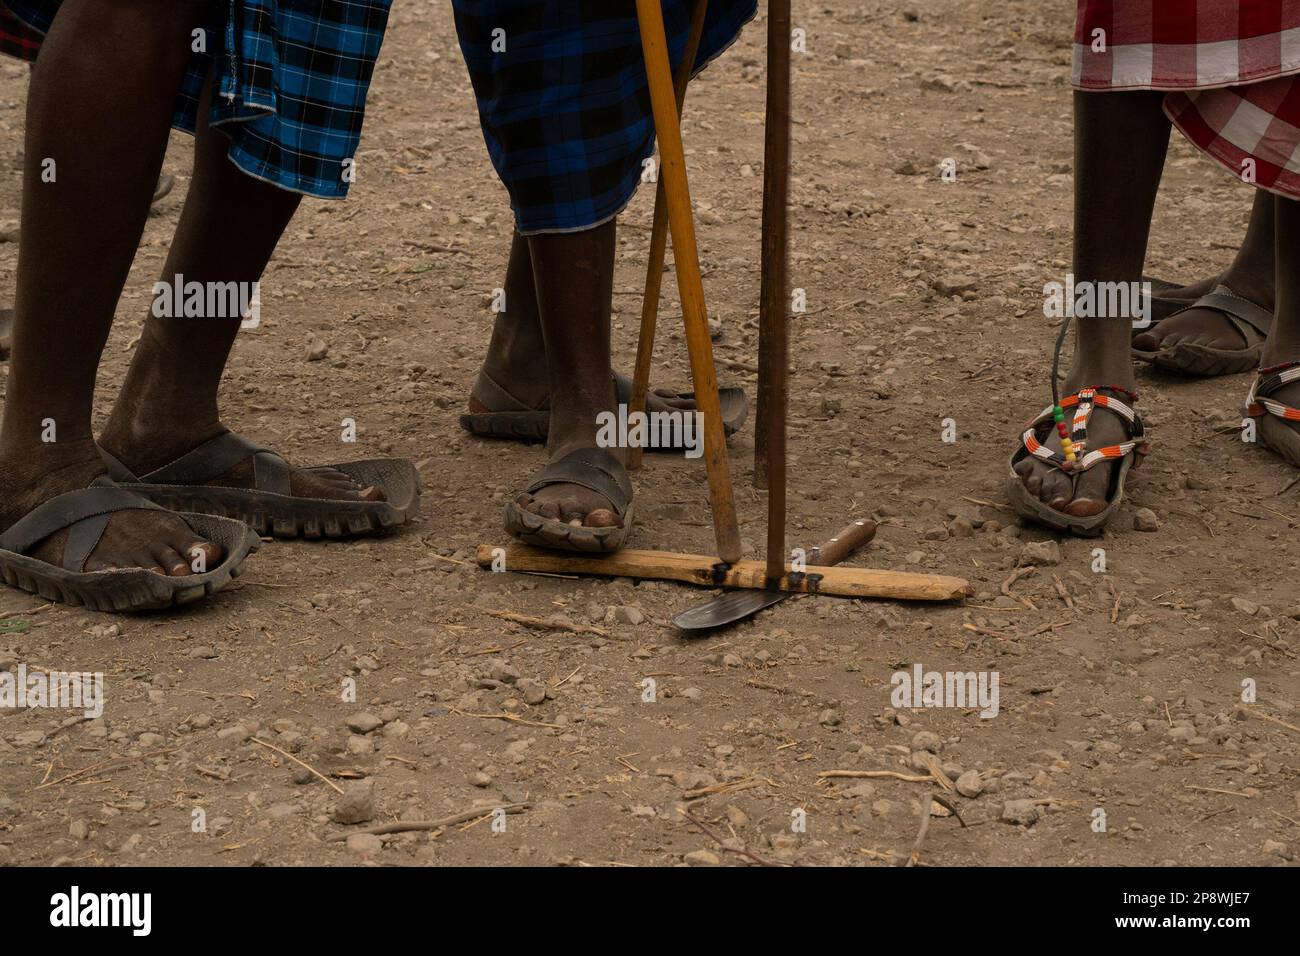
pixel 1075 456
pixel 1270 414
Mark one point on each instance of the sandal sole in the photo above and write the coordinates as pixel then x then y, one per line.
pixel 286 517
pixel 1202 361
pixel 135 589
pixel 1038 511
pixel 559 536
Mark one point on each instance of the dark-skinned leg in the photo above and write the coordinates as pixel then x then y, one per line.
pixel 228 230
pixel 574 278
pixel 1250 276
pixel 1120 141
pixel 517 340
pixel 165 184
pixel 99 108
pixel 1283 343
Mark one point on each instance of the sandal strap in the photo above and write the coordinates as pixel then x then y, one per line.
pixel 213 459
pixel 592 468
pixel 1268 381
pixel 493 396
pixel 84 512
pixel 1246 316
pixel 1084 402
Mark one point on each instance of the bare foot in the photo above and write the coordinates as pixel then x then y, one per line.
pixel 143 453
pixel 572 504
pixel 1205 326
pixel 155 540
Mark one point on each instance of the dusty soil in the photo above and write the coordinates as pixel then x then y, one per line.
pixel 1120 690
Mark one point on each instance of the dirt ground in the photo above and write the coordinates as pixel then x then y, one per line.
pixel 1120 690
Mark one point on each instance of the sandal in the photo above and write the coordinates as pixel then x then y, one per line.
pixel 1252 321
pixel 268 507
pixel 1266 411
pixel 1084 401
pixel 86 513
pixel 509 418
pixel 592 468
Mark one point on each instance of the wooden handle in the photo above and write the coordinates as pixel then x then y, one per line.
pixel 690 283
pixel 774 301
pixel 703 570
pixel 839 548
pixel 659 245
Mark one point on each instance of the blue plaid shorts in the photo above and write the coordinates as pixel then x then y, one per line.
pixel 563 101
pixel 290 83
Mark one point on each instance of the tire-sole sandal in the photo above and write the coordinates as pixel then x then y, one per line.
pixel 1188 358
pixel 85 514
pixel 268 507
pixel 1271 415
pixel 594 469
pixel 1128 453
pixel 510 419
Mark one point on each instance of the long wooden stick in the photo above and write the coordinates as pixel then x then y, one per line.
pixel 773 330
pixel 690 284
pixel 654 275
pixel 704 571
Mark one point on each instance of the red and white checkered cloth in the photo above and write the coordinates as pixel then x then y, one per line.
pixel 16 39
pixel 1229 67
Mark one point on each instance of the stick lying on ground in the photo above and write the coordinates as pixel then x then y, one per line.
pixel 407 826
pixel 704 571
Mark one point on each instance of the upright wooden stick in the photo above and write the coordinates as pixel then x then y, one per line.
pixel 645 347
pixel 773 346
pixel 690 284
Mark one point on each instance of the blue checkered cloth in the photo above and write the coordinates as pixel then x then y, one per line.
pixel 565 108
pixel 290 84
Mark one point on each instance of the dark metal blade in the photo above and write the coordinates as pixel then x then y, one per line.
pixel 727 609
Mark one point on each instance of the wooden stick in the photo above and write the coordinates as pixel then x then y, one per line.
pixel 308 767
pixel 876 774
pixel 543 624
pixel 722 845
pixel 703 571
pixel 915 856
pixel 773 344
pixel 654 275
pixel 406 826
pixel 104 766
pixel 690 284
pixel 1273 720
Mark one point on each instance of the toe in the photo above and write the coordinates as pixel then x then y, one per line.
pixel 1148 341
pixel 571 511
pixel 1034 479
pixel 1056 488
pixel 172 561
pixel 545 508
pixel 372 493
pixel 601 518
pixel 203 556
pixel 1090 496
